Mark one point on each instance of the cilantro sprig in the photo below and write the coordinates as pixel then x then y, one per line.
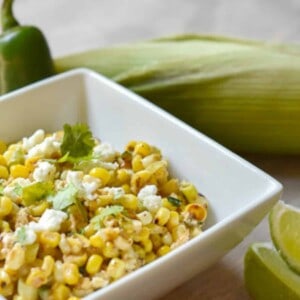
pixel 78 143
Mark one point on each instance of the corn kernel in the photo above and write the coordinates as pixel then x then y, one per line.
pixel 142 148
pixel 5 227
pixel 3 172
pixel 5 279
pixel 61 292
pixel 137 164
pixel 167 204
pixel 78 260
pixel 36 278
pixel 145 217
pixel 126 188
pixel 139 179
pixel 101 174
pixel 104 200
pixel 93 264
pixel 129 201
pixel 163 250
pixel 38 209
pixel 71 273
pixel 140 251
pixel 156 240
pixel 123 176
pixel 196 211
pixel 142 235
pixel 15 258
pixel 48 265
pixel 3 161
pixel 31 162
pixel 96 241
pixel 150 257
pixel 110 250
pixel 6 206
pixel 19 171
pixel 116 268
pixel 162 216
pixel 173 220
pixel 31 252
pixel 189 191
pixel 26 291
pixel 50 239
pixel 130 146
pixel 170 187
pixel 73 298
pixel 148 245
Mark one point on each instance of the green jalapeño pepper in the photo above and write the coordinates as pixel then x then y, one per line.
pixel 24 53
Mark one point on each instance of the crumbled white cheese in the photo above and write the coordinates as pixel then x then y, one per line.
pixel 148 198
pixel 116 192
pixel 86 184
pixel 44 171
pixel 33 140
pixel 29 235
pixel 89 185
pixel 48 147
pixel 50 221
pixel 105 151
pixel 11 189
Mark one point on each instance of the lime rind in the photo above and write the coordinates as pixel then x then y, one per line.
pixel 284 222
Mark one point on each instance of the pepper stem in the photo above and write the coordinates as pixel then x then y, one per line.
pixel 8 19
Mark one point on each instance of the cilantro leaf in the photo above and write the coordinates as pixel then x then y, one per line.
pixel 64 197
pixel 174 201
pixel 77 142
pixel 107 211
pixel 34 192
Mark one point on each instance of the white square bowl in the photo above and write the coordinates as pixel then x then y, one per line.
pixel 239 194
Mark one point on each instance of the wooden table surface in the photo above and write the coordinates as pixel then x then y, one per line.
pixel 76 25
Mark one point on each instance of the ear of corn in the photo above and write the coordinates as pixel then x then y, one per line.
pixel 244 94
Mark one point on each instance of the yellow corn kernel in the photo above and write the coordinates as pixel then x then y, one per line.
pixel 38 209
pixel 150 159
pixel 129 201
pixel 116 268
pixel 126 188
pixel 196 211
pixel 123 176
pixel 3 172
pixel 4 225
pixel 71 273
pixel 170 187
pixel 104 200
pixel 139 179
pixel 163 250
pixel 159 172
pixel 7 290
pixel 142 235
pixel 88 230
pixel 31 252
pixel 189 191
pixel 130 146
pixel 93 264
pixel 167 238
pixel 50 239
pixel 5 284
pixel 36 278
pixel 140 251
pixel 48 265
pixel 142 148
pixel 3 147
pixel 162 216
pixel 101 174
pixel 173 220
pixel 180 233
pixel 26 291
pixel 31 162
pixel 3 161
pixel 147 245
pixel 60 292
pixel 122 243
pixel 156 241
pixel 167 204
pixel 110 250
pixel 19 171
pixel 15 258
pixel 6 206
pixel 150 257
pixel 78 260
pixel 73 298
pixel 137 163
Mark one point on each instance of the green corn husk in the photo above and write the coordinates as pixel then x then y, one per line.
pixel 244 94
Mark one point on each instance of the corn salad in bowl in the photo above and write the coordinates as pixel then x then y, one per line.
pixel 77 215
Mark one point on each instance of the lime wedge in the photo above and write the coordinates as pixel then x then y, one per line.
pixel 267 276
pixel 284 223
